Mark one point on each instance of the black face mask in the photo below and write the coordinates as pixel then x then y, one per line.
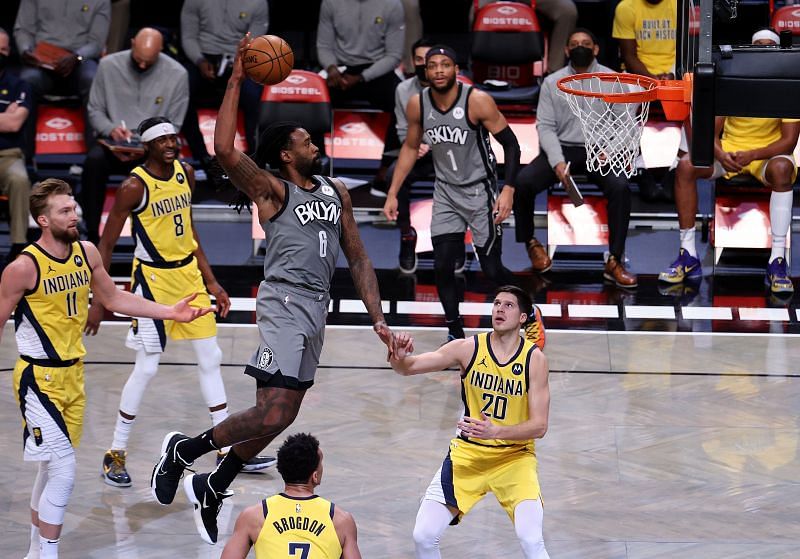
pixel 3 61
pixel 581 56
pixel 419 70
pixel 136 67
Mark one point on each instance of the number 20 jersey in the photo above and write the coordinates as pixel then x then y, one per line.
pixel 498 390
pixel 462 154
pixel 303 238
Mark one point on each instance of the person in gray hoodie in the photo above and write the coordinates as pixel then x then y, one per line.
pixel 130 86
pixel 562 149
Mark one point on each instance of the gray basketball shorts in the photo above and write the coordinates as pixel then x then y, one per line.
pixel 291 327
pixel 457 207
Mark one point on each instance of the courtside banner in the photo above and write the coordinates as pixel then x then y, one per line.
pixel 357 135
pixel 742 221
pixel 299 87
pixel 208 123
pixel 60 130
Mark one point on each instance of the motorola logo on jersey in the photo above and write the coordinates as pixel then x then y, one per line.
pixel 317 209
pixel 516 368
pixel 445 134
pixel 78 260
pixel 180 178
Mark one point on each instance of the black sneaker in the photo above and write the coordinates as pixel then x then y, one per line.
pixel 169 469
pixel 254 464
pixel 114 472
pixel 207 504
pixel 408 252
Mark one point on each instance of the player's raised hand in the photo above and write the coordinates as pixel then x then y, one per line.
pixel 503 205
pixel 237 73
pixel 183 312
pixel 482 428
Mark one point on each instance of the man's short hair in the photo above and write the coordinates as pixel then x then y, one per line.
pixel 298 458
pixel 421 42
pixel 41 193
pixel 523 299
pixel 585 32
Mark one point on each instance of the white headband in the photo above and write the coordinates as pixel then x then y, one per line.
pixel 766 34
pixel 161 129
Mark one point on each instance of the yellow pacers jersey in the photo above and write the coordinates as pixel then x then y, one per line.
pixel 162 224
pixel 50 318
pixel 654 27
pixel 298 527
pixel 498 390
pixel 746 133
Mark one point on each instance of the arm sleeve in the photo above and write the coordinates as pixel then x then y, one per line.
pixel 190 29
pixel 546 126
pixel 25 26
pixel 180 104
pixel 395 41
pixel 260 21
pixel 511 151
pixel 326 37
pixel 624 21
pixel 97 107
pixel 98 32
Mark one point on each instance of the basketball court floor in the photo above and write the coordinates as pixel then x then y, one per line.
pixel 661 444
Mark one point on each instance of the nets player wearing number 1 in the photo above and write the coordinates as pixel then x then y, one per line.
pixel 506 397
pixel 307 219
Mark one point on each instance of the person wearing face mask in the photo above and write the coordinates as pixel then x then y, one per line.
pixel 130 86
pixel 563 150
pixel 15 108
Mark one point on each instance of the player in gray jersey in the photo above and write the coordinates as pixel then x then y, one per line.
pixel 307 219
pixel 456 121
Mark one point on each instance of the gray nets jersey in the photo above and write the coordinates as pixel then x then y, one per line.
pixel 461 151
pixel 303 238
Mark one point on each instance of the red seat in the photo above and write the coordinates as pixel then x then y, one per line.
pixel 303 96
pixel 60 130
pixel 787 18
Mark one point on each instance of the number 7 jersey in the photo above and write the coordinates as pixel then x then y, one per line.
pixel 499 390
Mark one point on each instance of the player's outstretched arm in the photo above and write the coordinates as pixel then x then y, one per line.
pixel 244 533
pixel 452 354
pixel 345 526
pixel 258 184
pixel 127 303
pixel 18 277
pixel 128 197
pixel 407 158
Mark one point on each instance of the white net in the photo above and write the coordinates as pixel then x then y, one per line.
pixel 612 131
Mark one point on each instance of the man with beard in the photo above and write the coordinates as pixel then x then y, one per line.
pixel 562 151
pixel 506 398
pixel 307 219
pixel 130 86
pixel 49 284
pixel 169 264
pixel 456 120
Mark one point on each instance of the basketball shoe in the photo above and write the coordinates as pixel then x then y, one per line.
pixel 534 330
pixel 169 469
pixel 408 251
pixel 255 464
pixel 778 278
pixel 114 472
pixel 207 504
pixel 684 267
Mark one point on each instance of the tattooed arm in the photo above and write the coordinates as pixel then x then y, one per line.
pixel 361 266
pixel 259 185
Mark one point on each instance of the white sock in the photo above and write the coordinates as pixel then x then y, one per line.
pixel 528 526
pixel 687 241
pixel 780 218
pixel 48 549
pixel 432 520
pixel 122 431
pixel 218 416
pixel 33 550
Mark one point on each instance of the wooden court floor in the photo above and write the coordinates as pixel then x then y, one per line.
pixel 660 445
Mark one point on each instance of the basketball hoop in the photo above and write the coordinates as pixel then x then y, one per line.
pixel 613 109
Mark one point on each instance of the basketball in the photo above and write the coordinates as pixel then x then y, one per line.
pixel 268 60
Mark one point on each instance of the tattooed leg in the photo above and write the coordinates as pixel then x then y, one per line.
pixel 275 410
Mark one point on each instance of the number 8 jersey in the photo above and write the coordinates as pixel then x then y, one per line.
pixel 499 390
pixel 162 223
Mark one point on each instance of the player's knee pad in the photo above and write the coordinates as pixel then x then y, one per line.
pixel 56 494
pixel 209 358
pixel 145 367
pixel 39 485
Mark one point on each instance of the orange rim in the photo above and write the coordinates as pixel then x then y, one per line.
pixel 665 90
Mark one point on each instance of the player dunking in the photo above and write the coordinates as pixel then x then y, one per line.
pixel 456 120
pixel 169 264
pixel 506 400
pixel 307 218
pixel 49 285
pixel 296 522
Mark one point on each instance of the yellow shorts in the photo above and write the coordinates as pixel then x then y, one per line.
pixel 756 169
pixel 52 400
pixel 168 286
pixel 470 471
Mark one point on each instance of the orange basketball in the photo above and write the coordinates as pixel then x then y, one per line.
pixel 268 60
